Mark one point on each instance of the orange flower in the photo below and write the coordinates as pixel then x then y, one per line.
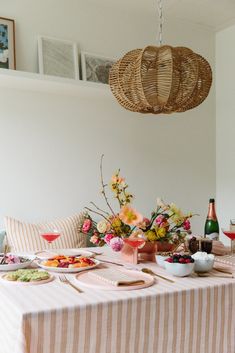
pixel 116 179
pixel 130 216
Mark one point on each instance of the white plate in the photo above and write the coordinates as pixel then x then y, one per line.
pixel 86 280
pixel 51 278
pixel 67 270
pixel 47 254
pixel 14 267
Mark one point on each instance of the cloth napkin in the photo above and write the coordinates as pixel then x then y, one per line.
pixel 114 277
pixel 218 248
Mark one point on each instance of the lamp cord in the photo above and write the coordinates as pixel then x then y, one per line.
pixel 160 30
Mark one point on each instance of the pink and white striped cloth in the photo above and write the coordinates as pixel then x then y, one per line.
pixel 192 315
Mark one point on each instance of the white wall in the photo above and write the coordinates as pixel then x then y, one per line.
pixel 97 28
pixel 225 125
pixel 51 143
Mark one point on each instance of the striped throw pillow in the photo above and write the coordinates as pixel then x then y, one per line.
pixel 22 236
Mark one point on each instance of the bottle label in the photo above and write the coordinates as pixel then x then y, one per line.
pixel 214 219
pixel 213 236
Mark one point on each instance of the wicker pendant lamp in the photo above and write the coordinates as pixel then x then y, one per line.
pixel 160 79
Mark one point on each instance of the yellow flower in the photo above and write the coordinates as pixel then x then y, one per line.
pixel 113 187
pixel 116 222
pixel 116 179
pixel 156 227
pixel 177 219
pixel 174 209
pixel 130 216
pixel 161 232
pixel 178 216
pixel 151 235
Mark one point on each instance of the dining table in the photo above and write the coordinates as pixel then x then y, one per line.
pixel 189 315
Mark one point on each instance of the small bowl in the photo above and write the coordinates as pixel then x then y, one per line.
pixel 161 260
pixel 203 265
pixel 179 270
pixel 14 267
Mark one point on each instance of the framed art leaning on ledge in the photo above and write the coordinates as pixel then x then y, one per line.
pixel 7 44
pixel 95 68
pixel 58 57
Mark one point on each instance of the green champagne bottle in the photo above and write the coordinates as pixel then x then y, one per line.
pixel 212 224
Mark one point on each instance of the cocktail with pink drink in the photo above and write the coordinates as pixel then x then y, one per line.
pixel 136 240
pixel 50 235
pixel 231 235
pixel 131 245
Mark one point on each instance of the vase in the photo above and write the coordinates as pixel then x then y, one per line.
pixel 148 252
pixel 164 246
pixel 135 255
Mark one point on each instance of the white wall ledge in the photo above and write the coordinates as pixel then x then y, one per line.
pixel 49 84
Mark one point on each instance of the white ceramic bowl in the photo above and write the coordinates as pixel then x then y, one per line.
pixel 203 265
pixel 14 267
pixel 179 270
pixel 161 260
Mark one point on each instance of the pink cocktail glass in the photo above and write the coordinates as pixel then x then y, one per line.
pixel 131 246
pixel 50 235
pixel 231 235
pixel 135 242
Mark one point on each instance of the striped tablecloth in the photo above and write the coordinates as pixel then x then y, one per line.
pixel 192 315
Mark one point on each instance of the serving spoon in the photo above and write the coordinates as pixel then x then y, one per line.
pixel 150 272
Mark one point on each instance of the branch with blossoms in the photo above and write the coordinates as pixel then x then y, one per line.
pixel 104 185
pixel 115 225
pixel 119 188
pixel 167 222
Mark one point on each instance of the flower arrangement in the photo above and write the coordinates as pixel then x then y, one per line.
pixel 166 224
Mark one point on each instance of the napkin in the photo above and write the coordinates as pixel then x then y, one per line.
pixel 222 267
pixel 218 248
pixel 114 277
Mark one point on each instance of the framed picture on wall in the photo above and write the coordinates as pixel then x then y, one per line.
pixel 58 57
pixel 7 43
pixel 95 68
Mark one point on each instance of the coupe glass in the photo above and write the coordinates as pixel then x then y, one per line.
pixel 136 241
pixel 231 235
pixel 50 235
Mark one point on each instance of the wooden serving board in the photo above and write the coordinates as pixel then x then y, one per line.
pixel 3 278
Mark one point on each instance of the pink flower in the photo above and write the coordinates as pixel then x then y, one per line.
pixel 86 225
pixel 160 219
pixel 108 238
pixel 95 239
pixel 146 221
pixel 186 225
pixel 116 244
pixel 144 224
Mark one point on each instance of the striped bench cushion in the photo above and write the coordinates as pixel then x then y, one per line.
pixel 22 236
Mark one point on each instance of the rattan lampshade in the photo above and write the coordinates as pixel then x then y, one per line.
pixel 160 79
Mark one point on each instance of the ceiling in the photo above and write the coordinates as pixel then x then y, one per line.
pixel 217 14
